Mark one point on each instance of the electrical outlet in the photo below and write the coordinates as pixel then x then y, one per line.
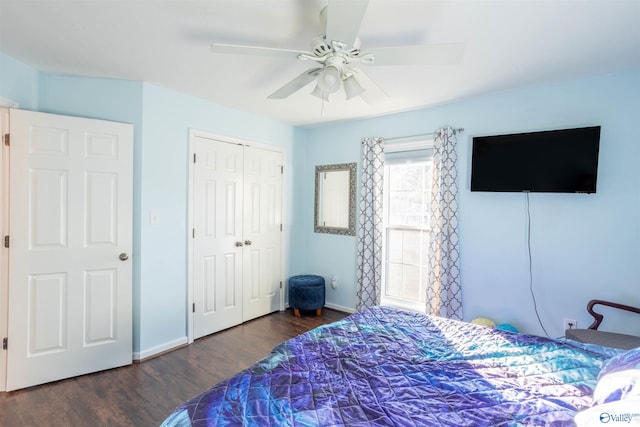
pixel 569 324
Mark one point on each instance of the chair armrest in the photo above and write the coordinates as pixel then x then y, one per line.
pixel 598 317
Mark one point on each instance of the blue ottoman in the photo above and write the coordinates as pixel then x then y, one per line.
pixel 306 292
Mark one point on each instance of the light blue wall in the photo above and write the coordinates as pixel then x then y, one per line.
pixel 296 217
pixel 161 120
pixel 106 99
pixel 18 82
pixel 583 246
pixel 167 118
pixel 330 254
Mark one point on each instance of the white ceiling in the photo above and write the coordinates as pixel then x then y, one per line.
pixel 509 43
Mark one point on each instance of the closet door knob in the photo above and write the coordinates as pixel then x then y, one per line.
pixel 247 242
pixel 238 244
pixel 123 257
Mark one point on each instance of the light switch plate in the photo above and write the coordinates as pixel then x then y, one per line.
pixel 154 217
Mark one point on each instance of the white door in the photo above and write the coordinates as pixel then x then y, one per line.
pixel 4 252
pixel 237 233
pixel 70 233
pixel 217 236
pixel 262 234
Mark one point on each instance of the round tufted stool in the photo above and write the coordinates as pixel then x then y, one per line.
pixel 306 292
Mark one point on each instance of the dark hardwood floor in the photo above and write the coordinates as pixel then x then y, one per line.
pixel 144 394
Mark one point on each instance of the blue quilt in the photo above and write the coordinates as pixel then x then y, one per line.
pixel 388 367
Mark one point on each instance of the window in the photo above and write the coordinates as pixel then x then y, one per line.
pixel 407 201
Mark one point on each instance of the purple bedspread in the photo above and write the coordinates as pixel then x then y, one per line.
pixel 387 367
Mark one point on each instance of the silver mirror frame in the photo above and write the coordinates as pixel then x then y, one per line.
pixel 351 229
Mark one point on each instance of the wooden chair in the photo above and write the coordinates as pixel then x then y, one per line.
pixel 592 335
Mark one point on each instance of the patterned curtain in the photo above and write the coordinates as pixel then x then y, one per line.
pixel 369 269
pixel 444 294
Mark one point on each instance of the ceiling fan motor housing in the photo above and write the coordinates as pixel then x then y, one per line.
pixel 319 45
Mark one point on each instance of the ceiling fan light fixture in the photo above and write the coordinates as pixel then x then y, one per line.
pixel 329 79
pixel 352 87
pixel 319 93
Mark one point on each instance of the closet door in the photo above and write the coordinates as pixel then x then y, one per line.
pixel 262 235
pixel 237 233
pixel 217 236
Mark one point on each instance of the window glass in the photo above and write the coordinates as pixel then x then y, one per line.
pixel 407 199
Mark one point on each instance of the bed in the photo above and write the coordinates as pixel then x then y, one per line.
pixel 389 367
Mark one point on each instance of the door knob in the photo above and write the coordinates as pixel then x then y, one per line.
pixel 123 256
pixel 247 242
pixel 238 243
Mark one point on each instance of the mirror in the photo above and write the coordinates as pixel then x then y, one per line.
pixel 335 211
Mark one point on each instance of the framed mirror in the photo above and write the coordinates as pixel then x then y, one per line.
pixel 335 210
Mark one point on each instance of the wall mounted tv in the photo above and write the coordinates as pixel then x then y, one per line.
pixel 556 161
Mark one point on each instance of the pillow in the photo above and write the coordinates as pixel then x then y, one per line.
pixel 616 398
pixel 619 378
pixel 629 359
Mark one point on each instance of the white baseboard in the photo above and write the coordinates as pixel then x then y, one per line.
pixel 340 308
pixel 140 355
pixel 183 340
pixel 333 306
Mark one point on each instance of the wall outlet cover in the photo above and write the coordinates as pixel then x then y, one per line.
pixel 569 324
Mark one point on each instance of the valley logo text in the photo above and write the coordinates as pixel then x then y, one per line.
pixel 607 417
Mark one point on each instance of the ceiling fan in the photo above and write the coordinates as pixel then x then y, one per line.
pixel 338 55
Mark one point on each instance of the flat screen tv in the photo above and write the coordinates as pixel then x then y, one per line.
pixel 556 161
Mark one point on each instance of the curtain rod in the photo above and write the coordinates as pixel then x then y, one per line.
pixel 420 134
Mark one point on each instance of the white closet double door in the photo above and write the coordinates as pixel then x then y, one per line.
pixel 237 233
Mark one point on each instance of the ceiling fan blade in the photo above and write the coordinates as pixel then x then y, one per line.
pixel 430 54
pixel 344 18
pixel 255 50
pixel 296 84
pixel 373 94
